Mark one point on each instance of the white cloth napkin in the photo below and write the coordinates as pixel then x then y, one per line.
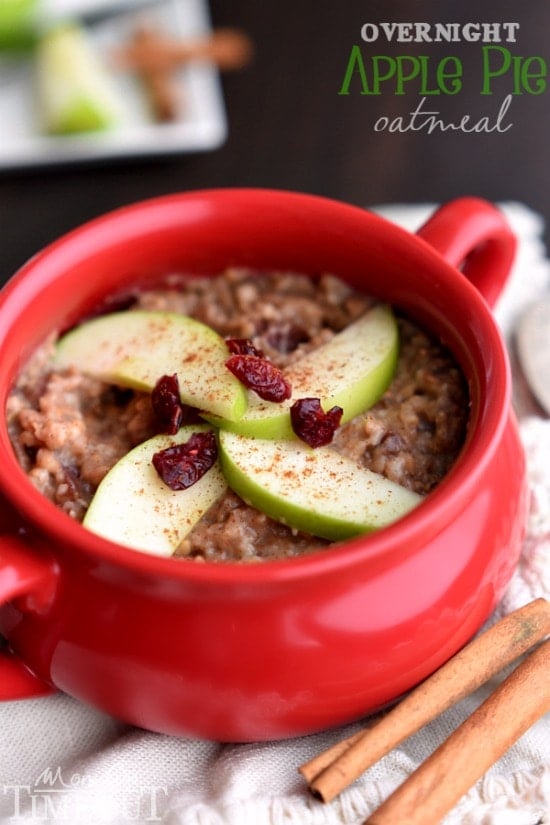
pixel 61 761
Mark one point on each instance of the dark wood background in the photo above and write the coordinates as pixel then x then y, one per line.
pixel 289 128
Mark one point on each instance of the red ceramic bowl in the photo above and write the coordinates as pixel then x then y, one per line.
pixel 236 652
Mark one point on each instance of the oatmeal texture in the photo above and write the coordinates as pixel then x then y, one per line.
pixel 69 429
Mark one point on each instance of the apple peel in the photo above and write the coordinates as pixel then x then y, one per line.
pixel 317 491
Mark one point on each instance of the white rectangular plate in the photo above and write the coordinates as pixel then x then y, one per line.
pixel 200 125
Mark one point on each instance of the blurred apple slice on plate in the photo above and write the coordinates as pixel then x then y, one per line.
pixel 17 24
pixel 75 91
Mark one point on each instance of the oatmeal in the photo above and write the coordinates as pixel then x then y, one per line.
pixel 69 429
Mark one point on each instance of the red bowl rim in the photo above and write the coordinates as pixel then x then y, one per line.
pixel 408 534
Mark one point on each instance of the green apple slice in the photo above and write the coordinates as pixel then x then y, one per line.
pixel 134 507
pixel 75 91
pixel 17 24
pixel 352 371
pixel 318 491
pixel 135 349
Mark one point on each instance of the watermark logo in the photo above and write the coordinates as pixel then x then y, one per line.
pixel 58 797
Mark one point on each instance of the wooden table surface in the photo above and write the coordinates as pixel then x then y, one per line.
pixel 290 128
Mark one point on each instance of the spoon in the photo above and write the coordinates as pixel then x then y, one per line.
pixel 533 349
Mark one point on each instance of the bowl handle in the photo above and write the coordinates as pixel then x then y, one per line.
pixel 474 236
pixel 29 579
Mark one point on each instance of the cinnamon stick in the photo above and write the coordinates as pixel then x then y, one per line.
pixel 312 769
pixel 154 56
pixel 229 49
pixel 158 82
pixel 330 772
pixel 437 785
pixel 162 92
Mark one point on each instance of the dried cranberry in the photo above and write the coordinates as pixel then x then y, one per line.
pixel 312 424
pixel 167 405
pixel 183 465
pixel 243 346
pixel 260 375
